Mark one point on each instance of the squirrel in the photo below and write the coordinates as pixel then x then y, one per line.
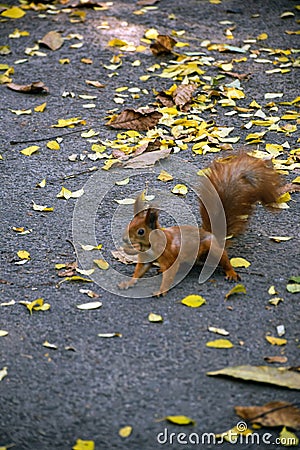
pixel 239 182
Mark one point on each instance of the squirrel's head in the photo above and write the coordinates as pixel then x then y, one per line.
pixel 136 238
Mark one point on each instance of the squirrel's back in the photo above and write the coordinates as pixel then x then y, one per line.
pixel 240 181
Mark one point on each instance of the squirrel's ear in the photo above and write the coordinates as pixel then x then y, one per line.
pixel 152 218
pixel 139 204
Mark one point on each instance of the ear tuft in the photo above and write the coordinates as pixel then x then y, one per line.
pixel 152 218
pixel 139 204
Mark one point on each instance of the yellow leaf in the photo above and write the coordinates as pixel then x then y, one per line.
pixel 193 301
pixel 64 61
pixel 17 34
pixel 165 176
pixel 68 122
pixel 59 266
pixel 23 254
pixel 98 148
pixel 276 341
pixel 42 184
pixel 13 13
pixel 238 289
pixel 36 207
pixel 155 318
pixel 152 33
pixel 88 247
pixel 239 262
pixel 3 333
pixel 123 182
pixel 64 193
pixel 40 108
pixel 254 104
pixel 84 445
pixel 89 134
pixel 53 145
pixel 101 263
pixel 36 305
pixel 180 420
pixel 125 431
pixel 220 343
pixel 20 112
pixel 180 189
pixel 272 290
pixel 28 151
pixel 117 43
pixel 296 180
pixel 262 37
pixel 288 439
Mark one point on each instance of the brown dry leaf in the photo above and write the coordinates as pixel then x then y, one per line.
pixel 130 119
pixel 95 84
pixel 37 87
pixel 275 359
pixel 147 2
pixel 183 95
pixel 162 45
pixel 239 76
pixel 281 376
pixel 146 159
pixel 52 40
pixel 273 414
pixel 87 4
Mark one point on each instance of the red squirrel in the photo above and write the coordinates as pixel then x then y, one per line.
pixel 240 181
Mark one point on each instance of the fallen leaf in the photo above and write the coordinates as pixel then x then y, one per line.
pixel 36 305
pixel 130 119
pixel 262 374
pixel 13 13
pixel 95 84
pixel 125 201
pixel 90 305
pixel 218 331
pixel 162 45
pixel 276 300
pixel 123 182
pixel 53 145
pixel 101 263
pixel 239 262
pixel 272 414
pixel 293 285
pixel 165 176
pixel 180 420
pixel 180 189
pixel 61 123
pixel 52 40
pixel 287 438
pixel 220 343
pixel 155 318
pixel 86 272
pixel 276 341
pixel 238 289
pixel 28 151
pixel 193 301
pixel 125 431
pixel 66 193
pixel 3 373
pixel 88 248
pixel 147 159
pixel 42 208
pixel 276 359
pixel 36 87
pixel 23 254
pixel 3 333
pixel 109 335
pixel 84 445
pixel 20 112
pixel 89 293
pixel 48 345
pixel 280 238
pixel 42 183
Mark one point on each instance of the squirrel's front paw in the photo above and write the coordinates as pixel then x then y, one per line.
pixel 231 275
pixel 159 293
pixel 126 284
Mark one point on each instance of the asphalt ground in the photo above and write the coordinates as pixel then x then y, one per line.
pixel 90 387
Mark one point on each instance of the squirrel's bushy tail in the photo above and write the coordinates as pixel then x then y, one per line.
pixel 240 181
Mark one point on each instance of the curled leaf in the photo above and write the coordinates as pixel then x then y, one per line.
pixel 36 87
pixel 238 289
pixel 130 119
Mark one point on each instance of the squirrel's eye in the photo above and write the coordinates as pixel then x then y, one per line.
pixel 141 232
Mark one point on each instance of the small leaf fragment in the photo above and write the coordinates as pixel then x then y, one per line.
pixel 180 420
pixel 218 331
pixel 239 262
pixel 23 254
pixel 220 343
pixel 125 432
pixel 48 345
pixel 84 445
pixel 28 151
pixel 288 439
pixel 165 176
pixel 36 305
pixel 3 333
pixel 109 335
pixel 40 108
pixel 238 289
pixel 155 318
pixel 180 189
pixel 101 263
pixel 89 306
pixel 3 373
pixel 53 145
pixel 193 301
pixel 41 208
pixel 276 341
